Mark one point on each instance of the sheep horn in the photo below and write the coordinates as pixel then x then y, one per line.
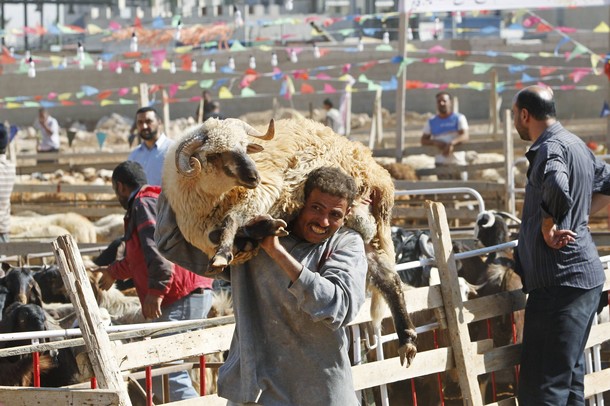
pixel 253 132
pixel 187 163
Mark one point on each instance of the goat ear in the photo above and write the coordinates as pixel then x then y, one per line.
pixel 36 294
pixel 5 266
pixel 254 148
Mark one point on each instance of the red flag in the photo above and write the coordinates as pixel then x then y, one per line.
pixel 5 57
pixel 137 23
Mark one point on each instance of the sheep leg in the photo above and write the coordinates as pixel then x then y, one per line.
pixel 263 226
pixel 224 252
pixel 387 282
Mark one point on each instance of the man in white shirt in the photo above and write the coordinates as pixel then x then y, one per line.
pixel 333 117
pixel 7 181
pixel 49 129
pixel 446 130
pixel 154 144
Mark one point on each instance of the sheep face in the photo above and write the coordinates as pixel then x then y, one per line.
pixel 225 141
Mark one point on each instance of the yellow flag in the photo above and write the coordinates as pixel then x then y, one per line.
pixel 224 93
pixel 453 64
pixel 64 96
pixel 602 27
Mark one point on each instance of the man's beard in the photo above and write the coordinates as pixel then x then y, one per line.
pixel 148 135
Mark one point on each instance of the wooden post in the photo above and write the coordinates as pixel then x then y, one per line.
pixel 347 125
pixel 99 348
pixel 199 117
pixel 509 161
pixel 144 95
pixel 166 112
pixel 403 26
pixel 493 103
pixel 376 134
pixel 463 350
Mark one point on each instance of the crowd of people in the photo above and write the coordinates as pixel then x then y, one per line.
pixel 297 295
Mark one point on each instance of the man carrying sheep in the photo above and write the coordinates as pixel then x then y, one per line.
pixel 167 292
pixel 292 301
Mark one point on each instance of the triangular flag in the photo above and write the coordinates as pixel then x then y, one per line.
pixel 480 68
pixel 206 84
pixel 527 78
pixel 101 138
pixel 605 110
pixel 453 64
pixel 107 102
pixel 237 46
pixel 602 27
pixel 522 56
pixel 578 50
pixel 224 93
pixel 247 92
pixel 306 88
pixel 329 89
pixel 547 70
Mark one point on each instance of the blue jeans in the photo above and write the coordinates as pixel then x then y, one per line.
pixel 557 324
pixel 191 307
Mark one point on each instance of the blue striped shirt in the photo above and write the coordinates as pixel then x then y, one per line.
pixel 562 176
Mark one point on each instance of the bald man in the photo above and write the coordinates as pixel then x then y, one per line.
pixel 556 256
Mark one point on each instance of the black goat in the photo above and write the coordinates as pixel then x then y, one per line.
pixel 412 246
pixel 18 285
pixel 58 368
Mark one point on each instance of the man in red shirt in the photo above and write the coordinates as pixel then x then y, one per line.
pixel 167 291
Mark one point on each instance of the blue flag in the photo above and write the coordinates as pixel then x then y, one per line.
pixel 605 110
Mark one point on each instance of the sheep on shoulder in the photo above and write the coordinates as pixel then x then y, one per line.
pixel 221 179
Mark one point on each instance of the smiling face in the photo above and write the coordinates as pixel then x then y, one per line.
pixel 322 215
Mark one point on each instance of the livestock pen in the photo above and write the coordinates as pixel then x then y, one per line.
pixel 380 380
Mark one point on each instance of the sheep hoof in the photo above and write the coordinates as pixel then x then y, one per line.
pixel 408 350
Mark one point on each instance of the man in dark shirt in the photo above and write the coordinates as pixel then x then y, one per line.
pixel 556 256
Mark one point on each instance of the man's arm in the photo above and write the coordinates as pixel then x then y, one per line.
pixel 172 244
pixel 333 293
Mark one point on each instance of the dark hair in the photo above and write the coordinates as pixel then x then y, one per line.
pixel 439 94
pixel 146 109
pixel 332 181
pixel 129 173
pixel 536 104
pixel 328 103
pixel 4 139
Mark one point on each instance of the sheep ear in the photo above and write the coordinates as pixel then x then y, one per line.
pixel 254 148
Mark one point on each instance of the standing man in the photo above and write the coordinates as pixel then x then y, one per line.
pixel 151 151
pixel 167 292
pixel 49 130
pixel 556 256
pixel 292 301
pixel 333 117
pixel 7 181
pixel 446 130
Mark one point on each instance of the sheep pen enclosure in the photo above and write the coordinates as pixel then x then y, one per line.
pixel 379 379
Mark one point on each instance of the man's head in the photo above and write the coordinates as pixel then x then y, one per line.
pixel 148 123
pixel 329 194
pixel 42 113
pixel 444 104
pixel 533 110
pixel 127 177
pixel 3 139
pixel 327 104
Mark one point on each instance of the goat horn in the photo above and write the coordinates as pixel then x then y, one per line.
pixel 187 163
pixel 491 219
pixel 509 216
pixel 253 132
pixel 424 245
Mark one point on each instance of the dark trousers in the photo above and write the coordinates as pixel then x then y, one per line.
pixel 557 324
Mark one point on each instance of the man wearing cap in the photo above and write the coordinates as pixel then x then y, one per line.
pixel 7 180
